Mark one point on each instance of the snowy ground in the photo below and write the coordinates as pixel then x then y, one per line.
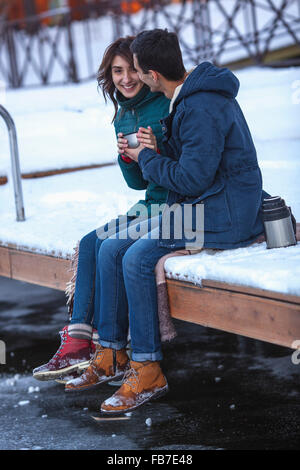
pixel 61 127
pixel 61 209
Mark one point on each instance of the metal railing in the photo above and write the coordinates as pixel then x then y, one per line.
pixel 29 46
pixel 33 52
pixel 15 163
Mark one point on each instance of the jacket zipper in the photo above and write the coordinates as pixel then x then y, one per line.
pixel 134 113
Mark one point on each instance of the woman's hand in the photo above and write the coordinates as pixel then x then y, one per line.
pixel 122 144
pixel 123 148
pixel 147 138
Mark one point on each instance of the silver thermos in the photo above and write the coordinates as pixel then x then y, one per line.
pixel 279 223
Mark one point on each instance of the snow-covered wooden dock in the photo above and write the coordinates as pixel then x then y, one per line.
pixel 256 313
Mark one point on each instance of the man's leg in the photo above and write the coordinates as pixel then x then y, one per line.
pixel 145 379
pixel 140 282
pixel 113 319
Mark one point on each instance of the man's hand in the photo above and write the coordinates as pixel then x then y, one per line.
pixel 133 153
pixel 147 138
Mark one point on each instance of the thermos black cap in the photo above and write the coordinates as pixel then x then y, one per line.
pixel 274 208
pixel 273 202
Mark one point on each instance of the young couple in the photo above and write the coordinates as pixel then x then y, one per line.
pixel 201 153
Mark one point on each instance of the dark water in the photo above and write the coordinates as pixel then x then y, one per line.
pixel 226 391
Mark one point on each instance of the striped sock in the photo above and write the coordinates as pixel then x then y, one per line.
pixel 95 336
pixel 80 330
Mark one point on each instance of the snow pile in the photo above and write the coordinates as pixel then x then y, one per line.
pixel 62 127
pixel 256 266
pixel 61 209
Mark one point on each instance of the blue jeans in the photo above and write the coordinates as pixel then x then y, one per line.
pixel 124 289
pixel 86 297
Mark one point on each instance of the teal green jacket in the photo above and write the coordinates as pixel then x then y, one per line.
pixel 145 109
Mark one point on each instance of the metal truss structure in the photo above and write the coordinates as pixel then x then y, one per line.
pixel 239 32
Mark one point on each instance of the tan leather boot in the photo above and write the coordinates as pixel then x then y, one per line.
pixel 107 364
pixel 143 382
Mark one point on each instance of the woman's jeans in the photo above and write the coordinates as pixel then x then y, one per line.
pixel 116 287
pixel 86 297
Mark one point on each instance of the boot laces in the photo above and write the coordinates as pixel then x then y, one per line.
pixel 63 337
pixel 131 378
pixel 98 354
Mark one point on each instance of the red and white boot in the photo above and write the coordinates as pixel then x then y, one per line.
pixel 82 366
pixel 72 353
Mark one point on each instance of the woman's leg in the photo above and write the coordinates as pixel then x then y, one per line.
pixel 83 307
pixel 87 287
pixel 110 229
pixel 76 338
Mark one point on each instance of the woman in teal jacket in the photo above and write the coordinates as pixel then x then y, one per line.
pixel 142 110
pixel 135 107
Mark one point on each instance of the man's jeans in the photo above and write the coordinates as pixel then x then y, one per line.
pixel 116 287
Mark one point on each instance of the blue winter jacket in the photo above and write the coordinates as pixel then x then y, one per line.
pixel 210 158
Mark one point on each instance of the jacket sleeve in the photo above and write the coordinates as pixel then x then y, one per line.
pixel 132 174
pixel 202 142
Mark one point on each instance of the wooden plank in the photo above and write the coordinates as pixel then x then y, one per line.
pixel 40 269
pixel 42 174
pixel 251 291
pixel 254 313
pixel 27 249
pixel 261 318
pixel 4 262
pixel 35 268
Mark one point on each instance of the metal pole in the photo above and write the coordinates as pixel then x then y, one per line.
pixel 15 163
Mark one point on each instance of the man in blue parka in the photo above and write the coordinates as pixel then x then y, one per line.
pixel 209 152
pixel 208 161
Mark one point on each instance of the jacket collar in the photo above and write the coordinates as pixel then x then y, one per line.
pixel 177 91
pixel 136 100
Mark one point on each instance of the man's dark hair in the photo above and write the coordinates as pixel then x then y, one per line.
pixel 159 50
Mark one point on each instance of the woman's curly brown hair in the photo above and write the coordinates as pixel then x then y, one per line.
pixel 119 47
